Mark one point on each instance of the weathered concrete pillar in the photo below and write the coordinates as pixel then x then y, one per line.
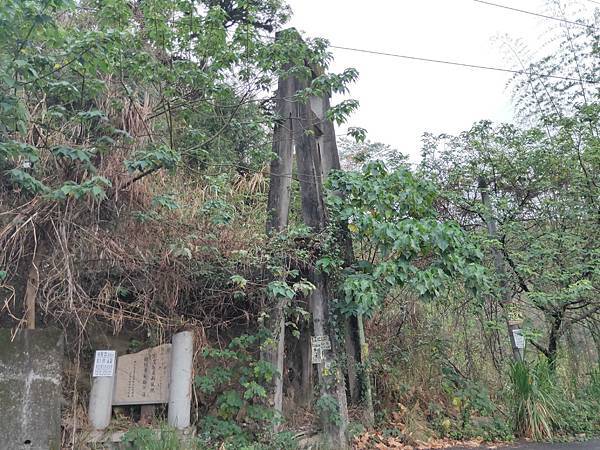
pixel 101 396
pixel 30 389
pixel 180 389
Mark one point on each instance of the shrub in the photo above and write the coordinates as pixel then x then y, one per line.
pixel 166 438
pixel 534 400
pixel 237 414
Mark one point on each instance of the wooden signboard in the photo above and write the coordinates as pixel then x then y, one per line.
pixel 143 378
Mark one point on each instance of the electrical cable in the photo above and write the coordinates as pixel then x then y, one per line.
pixel 459 64
pixel 531 13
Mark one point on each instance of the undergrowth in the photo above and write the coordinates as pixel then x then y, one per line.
pixel 542 411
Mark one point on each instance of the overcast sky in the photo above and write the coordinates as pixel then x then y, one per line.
pixel 401 99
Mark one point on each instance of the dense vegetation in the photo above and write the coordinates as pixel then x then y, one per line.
pixel 135 143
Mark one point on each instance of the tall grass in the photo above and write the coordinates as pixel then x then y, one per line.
pixel 534 400
pixel 593 388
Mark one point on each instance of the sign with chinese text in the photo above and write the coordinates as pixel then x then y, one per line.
pixel 104 363
pixel 143 377
pixel 514 313
pixel 519 339
pixel 318 346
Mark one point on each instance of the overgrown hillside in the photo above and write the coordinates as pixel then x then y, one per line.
pixel 137 148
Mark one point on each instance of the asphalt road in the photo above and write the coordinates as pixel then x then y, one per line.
pixel 587 445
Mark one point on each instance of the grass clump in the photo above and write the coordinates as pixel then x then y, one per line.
pixel 534 400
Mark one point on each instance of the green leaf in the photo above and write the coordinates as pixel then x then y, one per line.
pixel 280 289
pixel 165 201
pixel 239 281
pixel 27 182
pixel 75 154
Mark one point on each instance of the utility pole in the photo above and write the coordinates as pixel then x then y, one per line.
pixel 512 322
pixel 355 350
pixel 332 401
pixel 278 205
pixel 297 128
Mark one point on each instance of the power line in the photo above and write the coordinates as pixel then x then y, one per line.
pixel 459 64
pixel 531 13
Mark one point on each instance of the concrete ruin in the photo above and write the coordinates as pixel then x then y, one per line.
pixel 31 389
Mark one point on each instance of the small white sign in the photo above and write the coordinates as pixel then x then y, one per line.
pixel 317 355
pixel 519 338
pixel 321 341
pixel 104 363
pixel 318 346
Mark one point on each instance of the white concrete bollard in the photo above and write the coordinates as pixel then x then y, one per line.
pixel 100 408
pixel 180 388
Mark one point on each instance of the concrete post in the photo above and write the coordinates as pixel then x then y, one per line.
pixel 180 388
pixel 100 408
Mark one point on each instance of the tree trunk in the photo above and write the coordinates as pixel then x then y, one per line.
pixel 554 337
pixel 506 297
pixel 364 357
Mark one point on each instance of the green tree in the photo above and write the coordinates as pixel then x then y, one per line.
pixel 354 154
pixel 541 187
pixel 544 192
